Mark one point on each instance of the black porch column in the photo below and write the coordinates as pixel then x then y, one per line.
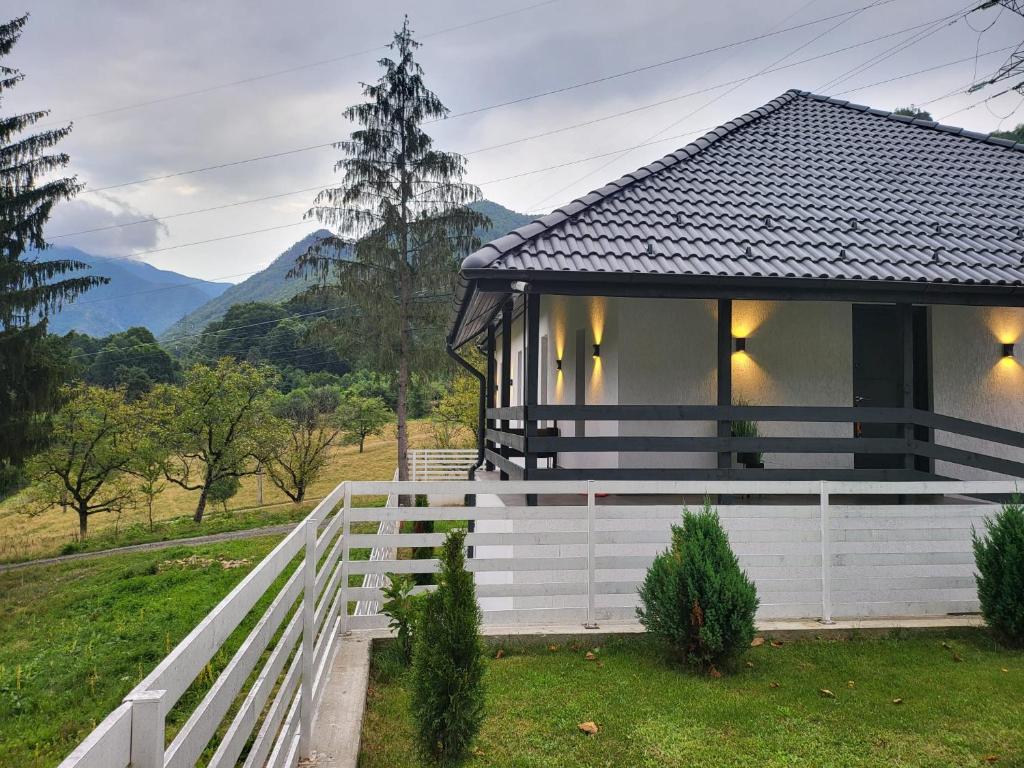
pixel 491 387
pixel 906 320
pixel 724 375
pixel 506 372
pixel 531 320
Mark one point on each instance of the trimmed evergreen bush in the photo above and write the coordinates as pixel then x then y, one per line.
pixel 999 556
pixel 695 597
pixel 447 667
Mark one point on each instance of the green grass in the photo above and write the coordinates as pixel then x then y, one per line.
pixel 953 713
pixel 76 637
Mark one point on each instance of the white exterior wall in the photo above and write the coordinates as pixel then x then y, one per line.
pixel 971 380
pixel 798 353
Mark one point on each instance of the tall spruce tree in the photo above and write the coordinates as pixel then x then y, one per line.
pixel 403 205
pixel 30 374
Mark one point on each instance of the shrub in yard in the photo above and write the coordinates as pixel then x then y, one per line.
pixel 695 597
pixel 447 668
pixel 999 556
pixel 402 608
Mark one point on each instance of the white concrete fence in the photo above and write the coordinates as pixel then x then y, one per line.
pixel 577 556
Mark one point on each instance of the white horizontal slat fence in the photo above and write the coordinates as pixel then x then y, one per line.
pixel 576 555
pixel 441 463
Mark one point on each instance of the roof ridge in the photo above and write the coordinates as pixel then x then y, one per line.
pixel 495 249
pixel 986 138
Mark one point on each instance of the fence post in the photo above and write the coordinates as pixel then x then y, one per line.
pixel 591 503
pixel 147 750
pixel 826 558
pixel 346 525
pixel 308 640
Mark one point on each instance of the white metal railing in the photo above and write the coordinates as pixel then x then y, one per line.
pixel 814 549
pixel 441 463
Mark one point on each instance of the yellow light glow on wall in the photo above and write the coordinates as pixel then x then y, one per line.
pixel 1006 324
pixel 597 311
pixel 748 316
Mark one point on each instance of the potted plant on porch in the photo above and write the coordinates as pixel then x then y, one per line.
pixel 746 428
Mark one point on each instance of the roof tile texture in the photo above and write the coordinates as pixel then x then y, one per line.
pixel 805 187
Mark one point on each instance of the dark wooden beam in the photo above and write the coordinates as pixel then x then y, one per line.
pixel 508 468
pixel 724 374
pixel 731 474
pixel 665 444
pixel 531 388
pixel 906 320
pixel 818 413
pixel 506 370
pixel 970 458
pixel 492 385
pixel 754 288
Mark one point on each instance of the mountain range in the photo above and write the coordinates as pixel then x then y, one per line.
pixel 129 298
pixel 186 304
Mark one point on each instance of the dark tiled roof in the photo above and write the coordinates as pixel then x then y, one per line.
pixel 804 187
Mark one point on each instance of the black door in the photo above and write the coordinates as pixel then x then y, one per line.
pixel 877 375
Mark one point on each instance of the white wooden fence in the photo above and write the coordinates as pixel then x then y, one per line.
pixel 441 463
pixel 815 550
pixel 577 556
pixel 300 628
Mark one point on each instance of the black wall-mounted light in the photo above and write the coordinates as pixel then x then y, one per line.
pixel 558 364
pixel 597 350
pixel 1007 350
pixel 739 344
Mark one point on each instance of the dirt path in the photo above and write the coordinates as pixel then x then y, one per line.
pixel 212 538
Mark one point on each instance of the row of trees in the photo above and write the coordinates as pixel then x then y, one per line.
pixel 107 452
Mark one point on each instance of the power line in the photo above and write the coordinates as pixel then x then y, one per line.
pixel 220 331
pixel 739 84
pixel 648 67
pixel 210 167
pixel 155 219
pixel 924 71
pixel 182 337
pixel 935 26
pixel 308 65
pixel 284 153
pixel 215 239
pixel 510 142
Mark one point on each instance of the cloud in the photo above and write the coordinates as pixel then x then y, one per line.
pixel 105 226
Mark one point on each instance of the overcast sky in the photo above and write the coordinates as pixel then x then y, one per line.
pixel 81 59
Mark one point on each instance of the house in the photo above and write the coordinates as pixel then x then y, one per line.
pixel 848 281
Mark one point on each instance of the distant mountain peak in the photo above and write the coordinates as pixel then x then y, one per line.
pixel 128 299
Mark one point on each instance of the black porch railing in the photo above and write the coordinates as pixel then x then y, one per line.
pixel 913 428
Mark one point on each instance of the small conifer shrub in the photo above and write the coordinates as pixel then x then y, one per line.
pixel 695 596
pixel 999 557
pixel 447 667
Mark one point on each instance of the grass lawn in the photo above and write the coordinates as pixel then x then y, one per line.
pixel 55 532
pixel 76 637
pixel 952 713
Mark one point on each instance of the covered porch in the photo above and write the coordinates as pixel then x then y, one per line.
pixel 628 387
